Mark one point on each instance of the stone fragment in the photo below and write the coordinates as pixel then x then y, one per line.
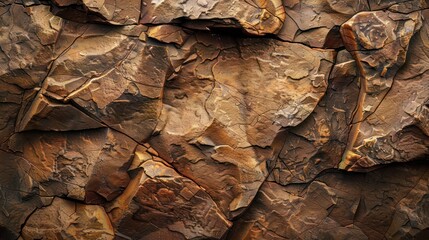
pixel 27 30
pixel 379 42
pixel 316 22
pixel 65 219
pixel 168 34
pixel 89 166
pixel 160 203
pixel 51 115
pixel 317 144
pixel 115 12
pixel 250 87
pixel 64 3
pixel 257 17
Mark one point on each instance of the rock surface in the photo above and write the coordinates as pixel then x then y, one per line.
pixel 68 220
pixel 197 119
pixel 257 17
pixel 336 205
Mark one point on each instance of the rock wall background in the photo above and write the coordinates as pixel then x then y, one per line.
pixel 214 119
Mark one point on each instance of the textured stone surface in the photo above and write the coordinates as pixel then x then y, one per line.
pixel 257 17
pixel 19 194
pixel 229 120
pixel 157 201
pixel 379 42
pixel 340 206
pixel 89 165
pixel 317 22
pixel 214 119
pixel 319 142
pixel 64 219
pixel 116 12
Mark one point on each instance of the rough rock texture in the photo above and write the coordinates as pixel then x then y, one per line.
pixel 157 201
pixel 379 43
pixel 68 220
pixel 254 16
pixel 336 205
pixel 214 119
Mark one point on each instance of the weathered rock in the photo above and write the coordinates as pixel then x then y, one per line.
pixel 90 166
pixel 341 206
pixel 200 119
pixel 216 118
pixel 316 22
pixel 256 17
pixel 47 114
pixel 116 12
pixel 319 142
pixel 19 194
pixel 102 73
pixel 157 204
pixel 379 42
pixel 10 103
pixel 27 30
pixel 404 6
pixel 168 34
pixel 23 30
pixel 65 219
pixel 64 3
pixel 235 174
pixel 226 85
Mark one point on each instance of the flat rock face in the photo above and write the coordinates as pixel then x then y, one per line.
pixel 198 119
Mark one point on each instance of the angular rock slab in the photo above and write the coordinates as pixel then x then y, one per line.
pixel 23 30
pixel 27 30
pixel 379 43
pixel 102 73
pixel 65 219
pixel 258 81
pixel 316 22
pixel 90 166
pixel 115 12
pixel 168 34
pixel 51 115
pixel 160 203
pixel 318 143
pixel 234 174
pixel 255 16
pixel 342 206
